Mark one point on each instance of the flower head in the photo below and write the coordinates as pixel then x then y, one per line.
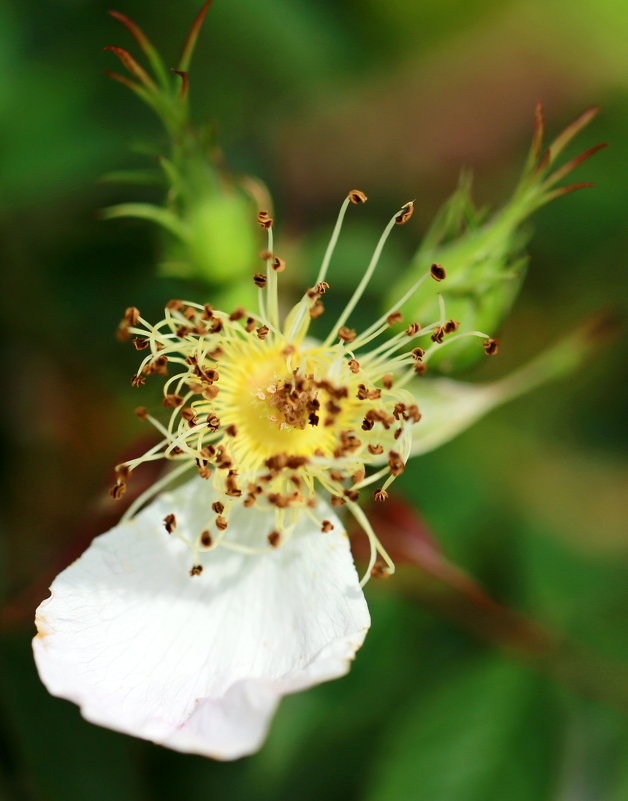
pixel 273 419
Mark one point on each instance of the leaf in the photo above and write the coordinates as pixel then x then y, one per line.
pixel 470 739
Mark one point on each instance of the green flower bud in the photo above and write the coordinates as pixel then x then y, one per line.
pixel 484 256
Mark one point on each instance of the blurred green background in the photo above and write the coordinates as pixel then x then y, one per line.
pixel 452 698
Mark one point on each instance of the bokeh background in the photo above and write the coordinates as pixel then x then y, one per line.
pixel 456 695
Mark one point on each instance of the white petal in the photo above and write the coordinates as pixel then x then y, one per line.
pixel 199 663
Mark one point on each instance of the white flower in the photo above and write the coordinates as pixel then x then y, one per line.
pixel 187 622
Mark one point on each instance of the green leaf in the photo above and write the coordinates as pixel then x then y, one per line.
pixel 472 738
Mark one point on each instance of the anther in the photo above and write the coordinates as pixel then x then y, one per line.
pixel 262 331
pixel 394 317
pixel 218 507
pixel 395 463
pixel 375 450
pixel 420 368
pixel 237 314
pixel 273 538
pixel 326 526
pixel 206 539
pixel 172 400
pixel 118 490
pixel 380 495
pixel 265 255
pixel 170 523
pixel 380 570
pixel 264 219
pixel 140 343
pixel 174 305
pixel 354 365
pixel 404 215
pixel 491 347
pixel 141 412
pixel 278 265
pixel 346 334
pixel 336 500
pixel 437 272
pixel 231 430
pixel 221 523
pixel 138 381
pixel 451 326
pixel 413 329
pixel 132 315
pixel 250 324
pixel 356 196
pixel 259 279
pixel 196 570
pixel 316 310
pixel 321 287
pixel 388 380
pixel 417 354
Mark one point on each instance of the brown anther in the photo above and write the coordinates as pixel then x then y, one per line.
pixel 346 334
pixel 250 324
pixel 356 196
pixel 188 413
pixel 237 314
pixel 196 570
pixel 313 419
pixel 204 471
pixel 260 280
pixel 437 272
pixel 264 219
pixel 206 539
pixel 211 375
pixel 132 315
pixel 354 365
pixel 395 463
pixel 367 425
pixel 451 326
pixel 491 346
pixel 362 393
pixel 404 215
pixel 174 305
pixel 262 331
pixel 380 570
pixel 288 350
pixel 118 490
pixel 394 317
pixel 413 413
pixel 189 313
pixel 213 422
pixel 376 449
pixel 420 368
pixel 182 331
pixel 172 400
pixel 316 310
pixel 387 380
pixel 413 329
pixel 438 335
pixel 352 495
pixel 321 287
pixel 216 327
pixel 221 523
pixel 140 344
pixel 142 412
pixel 380 495
pixel 326 526
pixel 210 392
pixel 265 255
pixel 358 476
pixel 274 538
pixel 249 500
pixel 138 381
pixel 218 507
pixel 207 312
pixel 231 430
pixel 278 265
pixel 417 354
pixel 374 394
pixel 336 500
pixel 170 523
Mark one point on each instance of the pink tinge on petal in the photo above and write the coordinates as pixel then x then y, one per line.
pixel 199 663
